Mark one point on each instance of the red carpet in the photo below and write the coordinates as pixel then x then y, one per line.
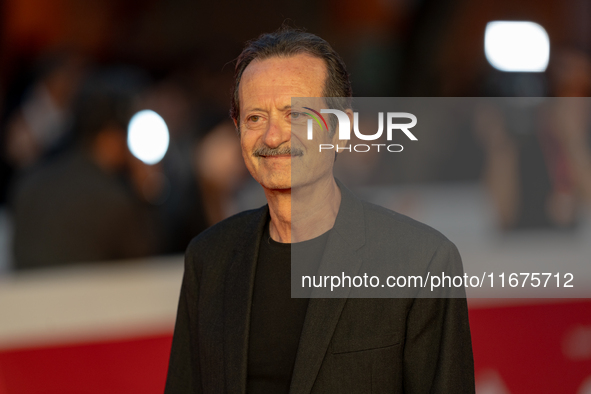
pixel 542 348
pixel 127 366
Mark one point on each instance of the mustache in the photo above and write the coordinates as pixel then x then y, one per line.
pixel 262 151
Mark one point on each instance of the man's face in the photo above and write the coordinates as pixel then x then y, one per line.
pixel 266 115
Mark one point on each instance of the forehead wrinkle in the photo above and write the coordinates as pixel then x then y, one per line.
pixel 262 109
pixel 269 82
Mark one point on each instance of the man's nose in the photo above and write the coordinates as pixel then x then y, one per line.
pixel 277 133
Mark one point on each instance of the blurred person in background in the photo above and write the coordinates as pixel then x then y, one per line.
pixel 538 157
pixel 220 170
pixel 569 131
pixel 89 203
pixel 181 201
pixel 41 125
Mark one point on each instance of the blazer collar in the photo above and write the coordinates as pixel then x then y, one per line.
pixel 238 291
pixel 342 251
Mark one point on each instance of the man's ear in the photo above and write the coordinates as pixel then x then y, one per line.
pixel 236 127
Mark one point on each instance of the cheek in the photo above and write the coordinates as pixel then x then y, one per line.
pixel 335 138
pixel 246 149
pixel 246 143
pixel 246 155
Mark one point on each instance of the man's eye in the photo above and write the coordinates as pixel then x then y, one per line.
pixel 254 118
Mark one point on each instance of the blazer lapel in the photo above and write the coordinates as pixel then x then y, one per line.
pixel 238 291
pixel 341 254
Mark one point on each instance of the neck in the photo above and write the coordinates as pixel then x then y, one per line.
pixel 304 213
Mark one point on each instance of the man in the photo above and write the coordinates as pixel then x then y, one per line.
pixel 238 330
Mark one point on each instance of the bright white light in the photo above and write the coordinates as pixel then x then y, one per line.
pixel 147 136
pixel 517 46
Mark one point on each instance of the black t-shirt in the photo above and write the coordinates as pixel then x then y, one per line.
pixel 276 319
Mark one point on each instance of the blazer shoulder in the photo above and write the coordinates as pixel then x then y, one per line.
pixel 228 230
pixel 389 221
pixel 390 233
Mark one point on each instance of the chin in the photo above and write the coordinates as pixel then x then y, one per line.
pixel 275 183
pixel 299 179
pixel 278 186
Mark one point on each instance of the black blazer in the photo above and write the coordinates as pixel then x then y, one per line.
pixel 347 345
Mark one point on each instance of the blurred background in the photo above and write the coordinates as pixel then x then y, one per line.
pixel 116 148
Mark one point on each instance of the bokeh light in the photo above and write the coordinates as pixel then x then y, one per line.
pixel 147 136
pixel 517 46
